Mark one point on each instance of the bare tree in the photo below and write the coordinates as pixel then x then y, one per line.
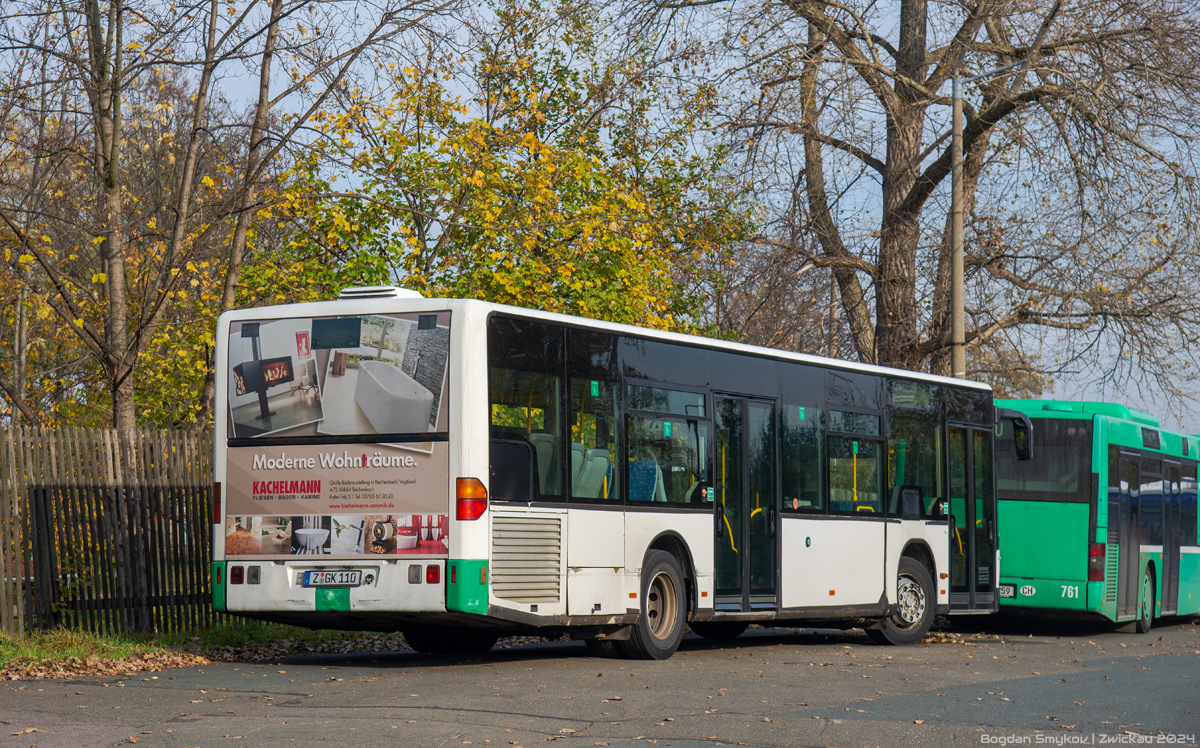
pixel 77 69
pixel 1079 169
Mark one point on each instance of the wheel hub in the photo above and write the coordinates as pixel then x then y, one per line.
pixel 911 600
pixel 661 606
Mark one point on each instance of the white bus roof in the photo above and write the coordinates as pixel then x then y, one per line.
pixel 383 305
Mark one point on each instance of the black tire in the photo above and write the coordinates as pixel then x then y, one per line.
pixel 1146 613
pixel 603 648
pixel 659 628
pixel 914 609
pixel 449 641
pixel 876 635
pixel 719 630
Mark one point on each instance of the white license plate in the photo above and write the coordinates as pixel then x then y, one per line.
pixel 333 578
pixel 1008 591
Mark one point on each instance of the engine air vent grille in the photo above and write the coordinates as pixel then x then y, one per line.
pixel 527 557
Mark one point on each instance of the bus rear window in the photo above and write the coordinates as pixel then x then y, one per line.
pixel 1061 466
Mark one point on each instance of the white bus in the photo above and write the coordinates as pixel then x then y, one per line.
pixel 458 470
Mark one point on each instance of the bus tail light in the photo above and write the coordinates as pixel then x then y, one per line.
pixel 237 574
pixel 1096 555
pixel 433 574
pixel 470 498
pixel 216 503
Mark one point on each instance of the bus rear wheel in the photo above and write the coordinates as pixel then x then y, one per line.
pixel 1146 614
pixel 659 628
pixel 914 609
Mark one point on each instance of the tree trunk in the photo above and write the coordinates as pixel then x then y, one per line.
pixel 896 304
pixel 106 48
pixel 858 315
pixel 249 191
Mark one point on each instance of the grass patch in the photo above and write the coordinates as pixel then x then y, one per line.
pixel 64 653
pixel 61 644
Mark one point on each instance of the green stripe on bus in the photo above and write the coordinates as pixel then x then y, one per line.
pixel 218 585
pixel 335 599
pixel 466 586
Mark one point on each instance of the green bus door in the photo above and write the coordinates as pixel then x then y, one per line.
pixel 1172 509
pixel 972 521
pixel 746 515
pixel 1123 535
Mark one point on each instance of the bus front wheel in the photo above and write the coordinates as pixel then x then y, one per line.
pixel 1146 614
pixel 659 628
pixel 913 613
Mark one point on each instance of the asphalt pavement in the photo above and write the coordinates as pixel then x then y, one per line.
pixel 1001 684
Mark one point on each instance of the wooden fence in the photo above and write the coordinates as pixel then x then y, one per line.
pixel 104 531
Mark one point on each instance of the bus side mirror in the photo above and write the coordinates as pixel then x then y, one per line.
pixel 1022 431
pixel 1021 438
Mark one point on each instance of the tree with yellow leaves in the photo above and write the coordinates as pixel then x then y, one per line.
pixel 132 186
pixel 539 173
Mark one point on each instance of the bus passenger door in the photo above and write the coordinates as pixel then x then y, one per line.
pixel 746 516
pixel 972 520
pixel 1172 506
pixel 1123 534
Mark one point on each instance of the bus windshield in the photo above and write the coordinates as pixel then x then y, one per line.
pixel 1060 466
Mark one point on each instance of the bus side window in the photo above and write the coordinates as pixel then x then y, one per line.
pixel 593 416
pixel 593 412
pixel 915 449
pixel 668 460
pixel 801 449
pixel 512 467
pixel 854 475
pixel 525 390
pixel 1188 521
pixel 854 462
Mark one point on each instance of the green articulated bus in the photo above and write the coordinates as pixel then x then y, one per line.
pixel 1102 521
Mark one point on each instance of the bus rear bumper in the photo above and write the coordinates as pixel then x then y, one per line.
pixel 382 586
pixel 1050 594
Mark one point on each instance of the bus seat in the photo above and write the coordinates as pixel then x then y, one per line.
pixel 642 478
pixel 578 452
pixel 696 493
pixel 660 490
pixel 544 444
pixel 590 482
